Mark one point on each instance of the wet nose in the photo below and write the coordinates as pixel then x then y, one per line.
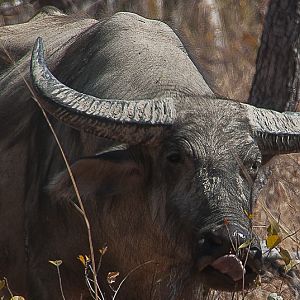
pixel 227 239
pixel 231 251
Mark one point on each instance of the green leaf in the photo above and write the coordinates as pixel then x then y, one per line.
pixel 248 214
pixel 273 236
pixel 82 259
pixel 273 240
pixel 245 244
pixel 292 264
pixel 285 255
pixel 273 228
pixel 2 284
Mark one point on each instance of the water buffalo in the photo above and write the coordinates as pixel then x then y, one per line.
pixel 164 167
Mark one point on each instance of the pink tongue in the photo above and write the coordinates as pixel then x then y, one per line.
pixel 230 265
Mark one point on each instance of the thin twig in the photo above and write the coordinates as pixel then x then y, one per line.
pixel 88 279
pixel 290 235
pixel 60 283
pixel 229 235
pixel 133 270
pixel 7 286
pixel 246 259
pixel 271 216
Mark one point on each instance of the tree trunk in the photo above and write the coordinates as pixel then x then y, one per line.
pixel 276 83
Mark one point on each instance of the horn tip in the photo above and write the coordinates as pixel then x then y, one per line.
pixel 38 46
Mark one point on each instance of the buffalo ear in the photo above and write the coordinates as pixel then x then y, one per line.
pixel 113 171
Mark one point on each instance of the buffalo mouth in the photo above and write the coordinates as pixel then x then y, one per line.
pixel 228 272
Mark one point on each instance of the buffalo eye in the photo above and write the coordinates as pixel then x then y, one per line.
pixel 253 168
pixel 250 167
pixel 174 157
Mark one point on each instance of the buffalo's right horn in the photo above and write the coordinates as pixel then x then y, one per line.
pixel 129 121
pixel 274 132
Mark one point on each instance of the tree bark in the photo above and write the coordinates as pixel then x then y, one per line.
pixel 276 83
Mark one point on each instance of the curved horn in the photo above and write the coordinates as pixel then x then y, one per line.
pixel 132 122
pixel 274 132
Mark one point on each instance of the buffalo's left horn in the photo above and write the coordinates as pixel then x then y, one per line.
pixel 129 121
pixel 274 132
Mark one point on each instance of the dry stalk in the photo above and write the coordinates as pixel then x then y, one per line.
pixel 282 227
pixel 125 278
pixel 60 282
pixel 7 286
pixel 81 208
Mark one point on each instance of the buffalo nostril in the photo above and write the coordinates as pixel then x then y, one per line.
pixel 214 238
pixel 201 242
pixel 225 240
pixel 256 252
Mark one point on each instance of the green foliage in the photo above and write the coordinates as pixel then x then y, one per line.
pixel 274 238
pixel 245 244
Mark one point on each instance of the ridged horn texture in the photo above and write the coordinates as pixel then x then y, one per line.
pixel 132 122
pixel 274 132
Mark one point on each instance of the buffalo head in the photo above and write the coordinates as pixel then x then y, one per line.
pixel 191 159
